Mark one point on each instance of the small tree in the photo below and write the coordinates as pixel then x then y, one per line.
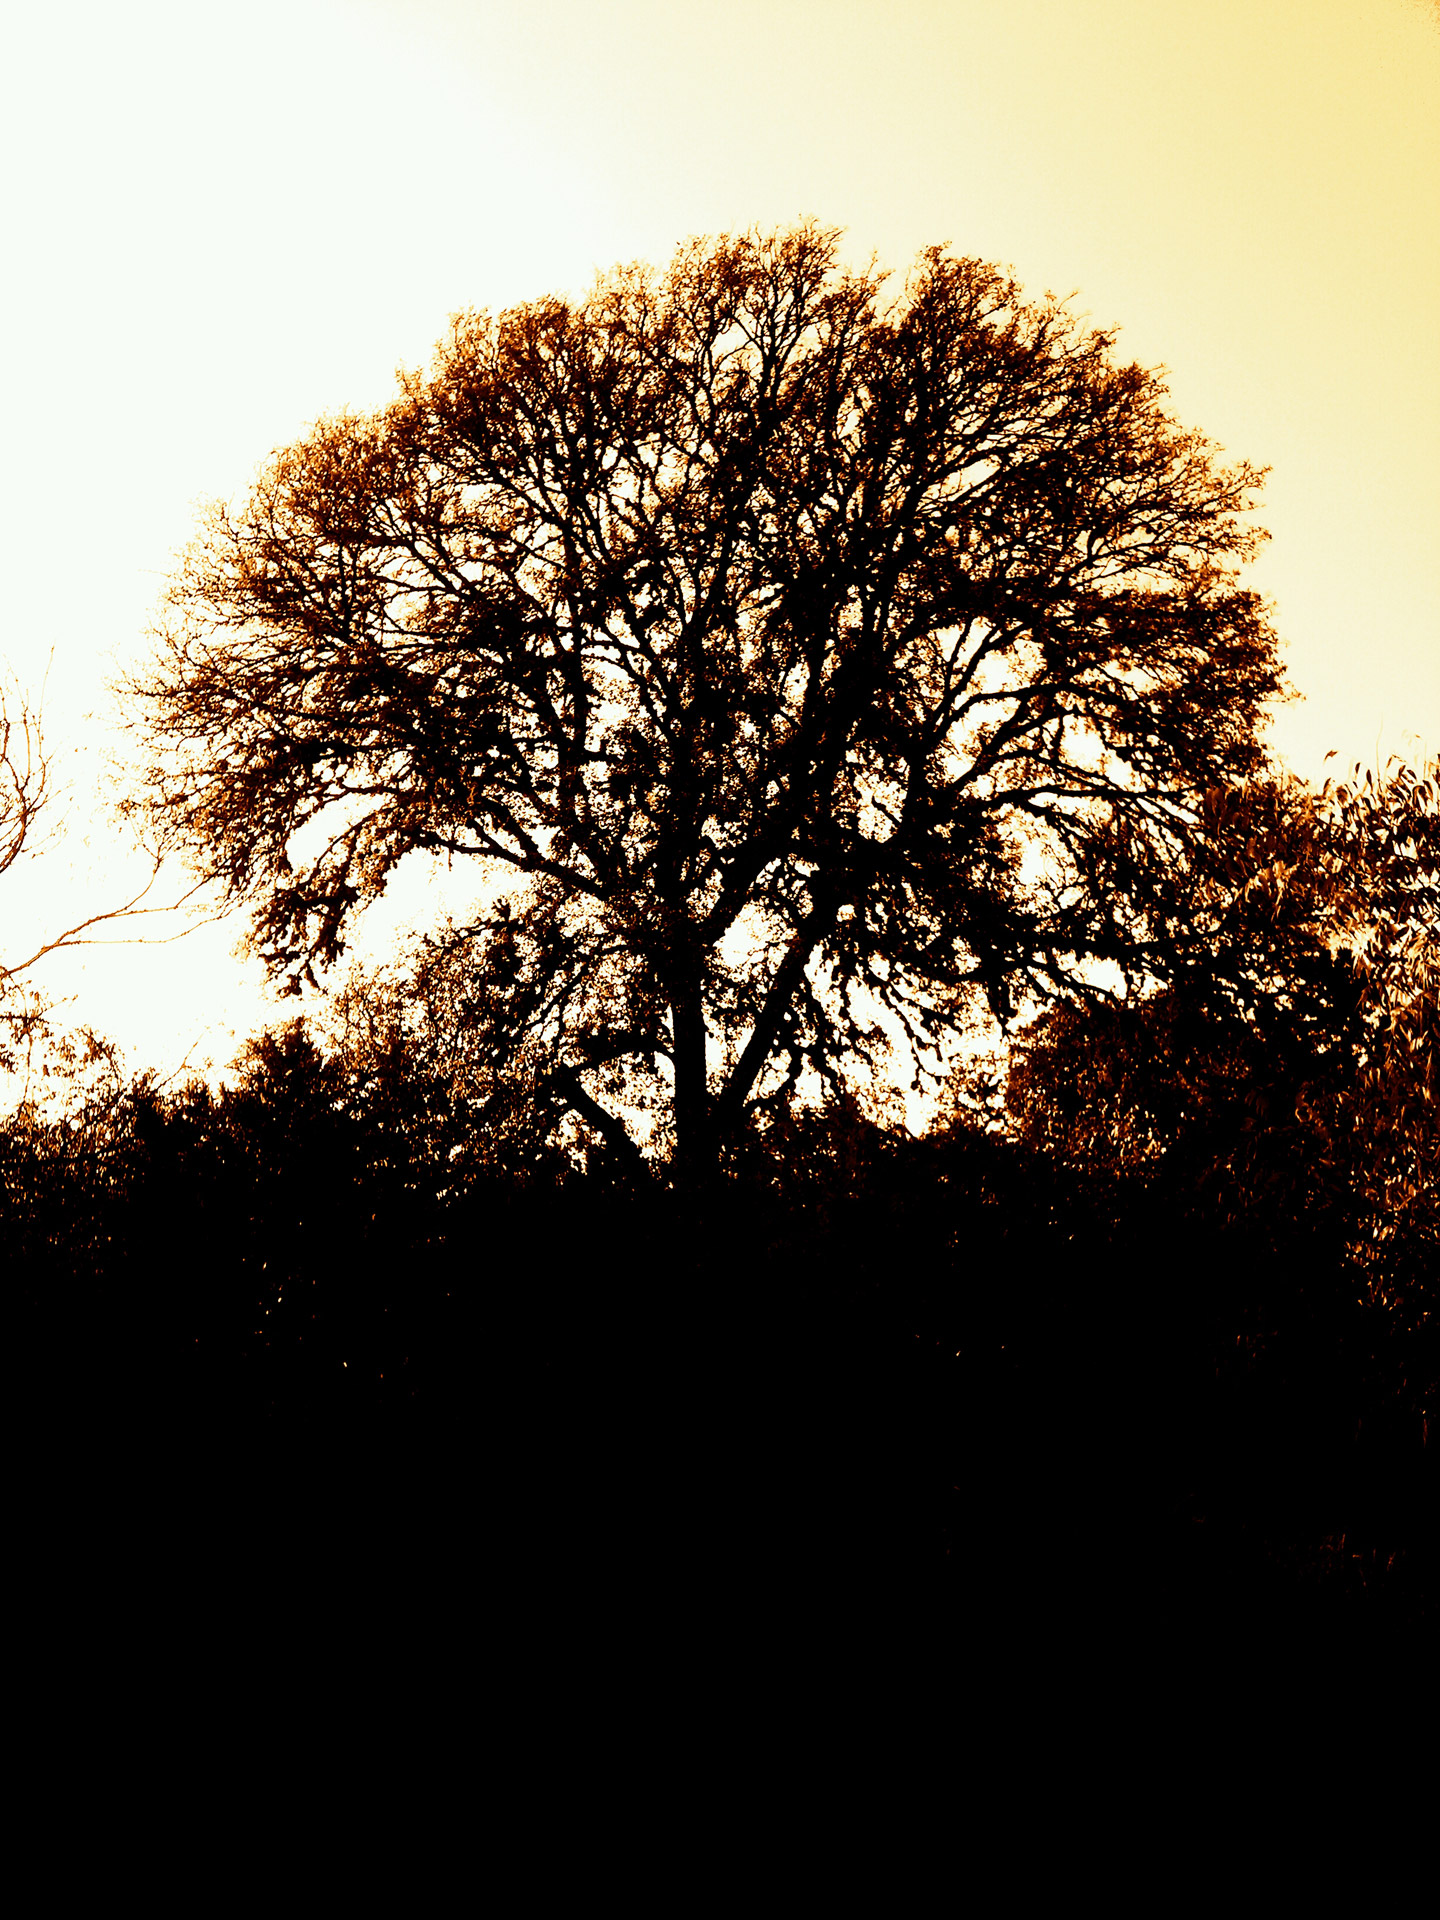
pixel 24 790
pixel 24 779
pixel 799 657
pixel 27 1034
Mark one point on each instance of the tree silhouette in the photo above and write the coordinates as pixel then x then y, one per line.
pixel 1257 1144
pixel 24 789
pixel 1292 1057
pixel 24 779
pixel 810 665
pixel 27 794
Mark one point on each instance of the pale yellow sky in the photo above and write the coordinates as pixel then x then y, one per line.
pixel 222 220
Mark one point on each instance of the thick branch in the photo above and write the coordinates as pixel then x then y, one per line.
pixel 731 1103
pixel 566 1082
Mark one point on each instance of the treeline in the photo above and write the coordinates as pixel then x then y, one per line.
pixel 1021 1360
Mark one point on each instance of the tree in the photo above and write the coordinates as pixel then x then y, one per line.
pixel 1252 1150
pixel 24 779
pixel 27 1035
pixel 1286 1075
pixel 799 656
pixel 24 790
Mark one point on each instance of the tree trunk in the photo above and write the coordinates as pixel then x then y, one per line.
pixel 694 1135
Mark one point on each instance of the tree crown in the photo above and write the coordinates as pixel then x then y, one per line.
pixel 810 661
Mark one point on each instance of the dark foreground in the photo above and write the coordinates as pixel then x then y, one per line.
pixel 933 1375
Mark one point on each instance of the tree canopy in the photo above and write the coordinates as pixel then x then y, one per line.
pixel 1289 1066
pixel 812 660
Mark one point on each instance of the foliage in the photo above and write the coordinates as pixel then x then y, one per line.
pixel 800 658
pixel 424 1052
pixel 1284 1083
pixel 209 1258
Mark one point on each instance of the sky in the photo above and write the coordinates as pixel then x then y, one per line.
pixel 222 221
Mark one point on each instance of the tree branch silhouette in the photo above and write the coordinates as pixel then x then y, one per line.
pixel 26 792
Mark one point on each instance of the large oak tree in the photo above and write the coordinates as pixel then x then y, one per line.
pixel 813 660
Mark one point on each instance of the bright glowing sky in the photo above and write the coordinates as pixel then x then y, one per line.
pixel 223 220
